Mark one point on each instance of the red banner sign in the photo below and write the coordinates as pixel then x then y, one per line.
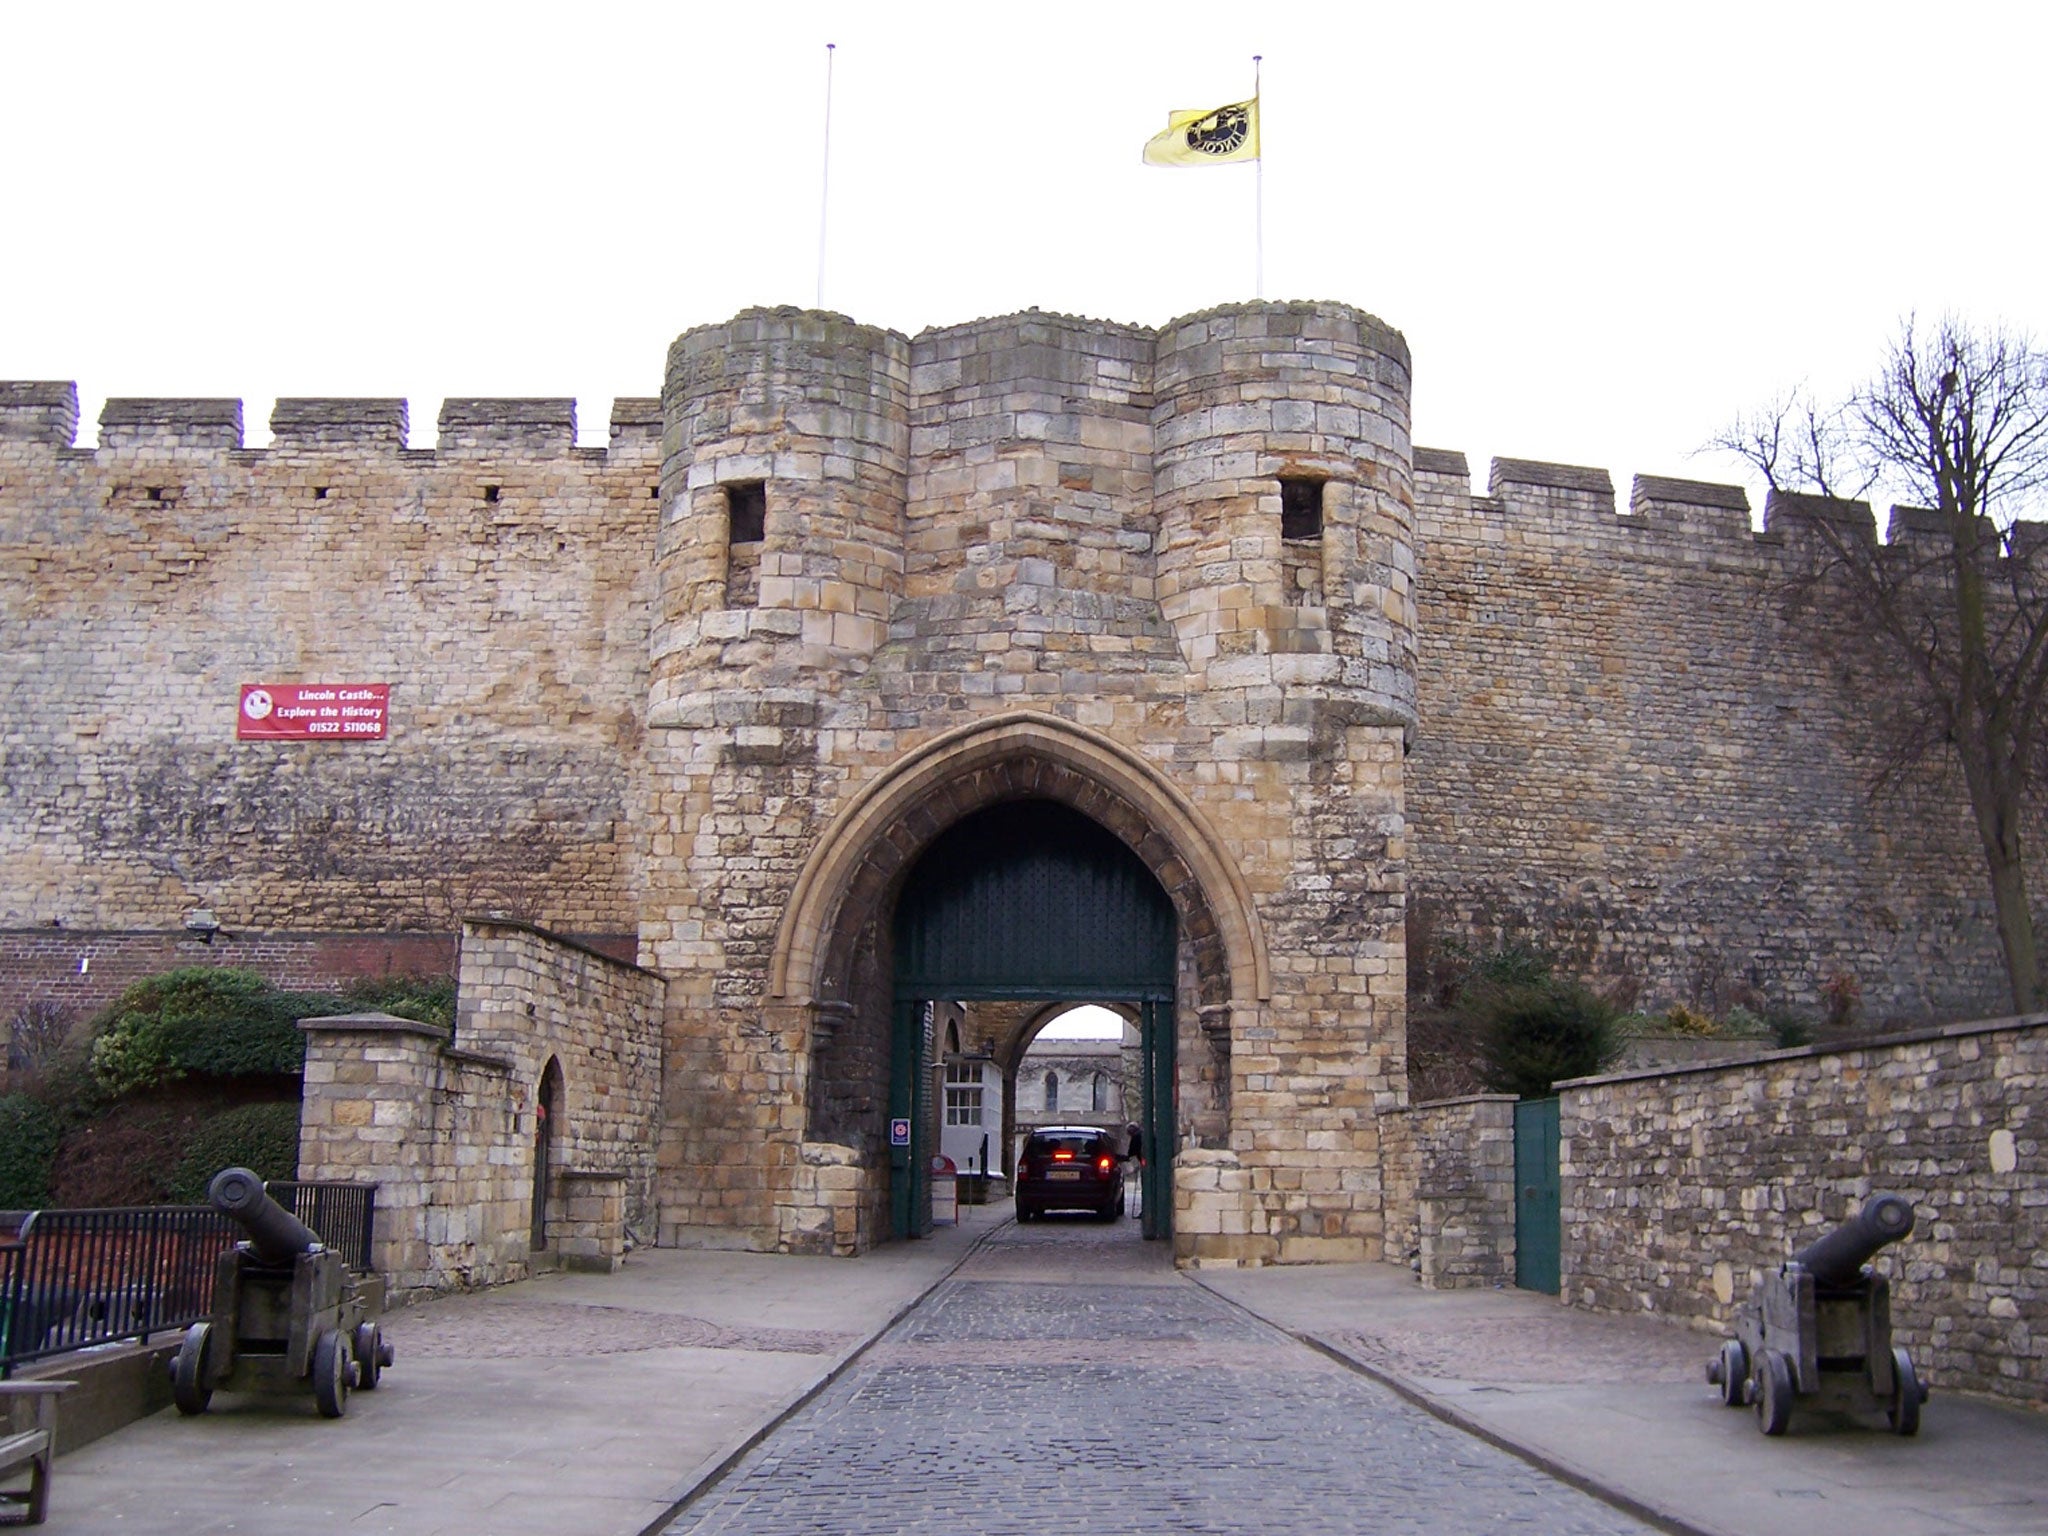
pixel 313 712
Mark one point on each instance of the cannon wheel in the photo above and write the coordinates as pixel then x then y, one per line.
pixel 1772 1392
pixel 369 1356
pixel 190 1389
pixel 333 1373
pixel 1734 1377
pixel 1907 1394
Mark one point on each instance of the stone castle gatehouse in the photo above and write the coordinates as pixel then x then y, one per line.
pixel 1034 658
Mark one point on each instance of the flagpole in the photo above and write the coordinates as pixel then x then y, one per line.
pixel 825 176
pixel 1259 191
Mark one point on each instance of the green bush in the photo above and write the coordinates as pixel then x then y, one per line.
pixel 1789 1029
pixel 263 1138
pixel 29 1133
pixel 424 999
pixel 207 1021
pixel 1532 1034
pixel 1511 965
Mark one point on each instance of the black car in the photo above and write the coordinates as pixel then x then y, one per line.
pixel 1070 1168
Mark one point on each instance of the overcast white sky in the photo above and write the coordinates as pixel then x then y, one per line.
pixel 1603 229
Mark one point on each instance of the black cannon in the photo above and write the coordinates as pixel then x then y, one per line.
pixel 1820 1328
pixel 287 1312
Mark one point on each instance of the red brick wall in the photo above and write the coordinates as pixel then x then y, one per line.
pixel 84 971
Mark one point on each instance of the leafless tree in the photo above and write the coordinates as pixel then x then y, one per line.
pixel 36 1033
pixel 1954 604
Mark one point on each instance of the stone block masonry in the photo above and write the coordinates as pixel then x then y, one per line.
pixel 1633 755
pixel 1036 557
pixel 499 583
pixel 1451 1178
pixel 448 1124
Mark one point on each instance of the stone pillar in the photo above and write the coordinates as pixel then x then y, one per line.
pixel 366 1116
pixel 587 1219
pixel 390 1102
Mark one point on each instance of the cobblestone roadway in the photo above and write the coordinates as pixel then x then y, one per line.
pixel 1066 1382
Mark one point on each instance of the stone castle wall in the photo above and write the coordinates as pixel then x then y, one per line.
pixel 1681 1188
pixel 499 582
pixel 1631 755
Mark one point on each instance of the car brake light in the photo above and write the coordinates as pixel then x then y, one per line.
pixel 1103 1164
pixel 1063 1157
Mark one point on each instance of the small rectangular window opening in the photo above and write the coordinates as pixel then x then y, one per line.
pixel 490 493
pixel 746 512
pixel 1301 509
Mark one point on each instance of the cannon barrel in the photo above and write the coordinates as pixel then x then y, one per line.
pixel 1840 1256
pixel 275 1233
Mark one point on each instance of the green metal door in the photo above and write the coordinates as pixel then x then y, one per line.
pixel 1538 1218
pixel 910 1161
pixel 1161 1125
pixel 1030 900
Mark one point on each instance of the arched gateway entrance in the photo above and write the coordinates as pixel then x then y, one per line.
pixel 1029 900
pixel 1097 879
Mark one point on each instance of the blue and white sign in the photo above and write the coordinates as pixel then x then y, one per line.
pixel 899 1133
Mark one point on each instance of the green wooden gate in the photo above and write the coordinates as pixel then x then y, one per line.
pixel 1031 900
pixel 1538 1219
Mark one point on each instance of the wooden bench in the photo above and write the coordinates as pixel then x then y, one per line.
pixel 28 1440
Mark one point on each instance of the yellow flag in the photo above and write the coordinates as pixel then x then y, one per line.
pixel 1220 136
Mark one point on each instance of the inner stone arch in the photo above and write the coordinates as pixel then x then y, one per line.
pixel 855 981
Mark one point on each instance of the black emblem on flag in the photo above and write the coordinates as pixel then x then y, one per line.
pixel 1222 132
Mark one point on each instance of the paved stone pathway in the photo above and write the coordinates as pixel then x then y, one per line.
pixel 1066 1381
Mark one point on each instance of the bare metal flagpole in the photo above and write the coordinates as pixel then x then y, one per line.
pixel 1259 190
pixel 825 176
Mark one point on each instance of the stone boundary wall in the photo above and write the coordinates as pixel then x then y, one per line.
pixel 444 1124
pixel 1681 1188
pixel 1451 1189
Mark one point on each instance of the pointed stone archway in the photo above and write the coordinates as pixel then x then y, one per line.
pixel 831 979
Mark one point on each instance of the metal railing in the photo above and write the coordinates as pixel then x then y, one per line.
pixel 343 1214
pixel 79 1278
pixel 74 1279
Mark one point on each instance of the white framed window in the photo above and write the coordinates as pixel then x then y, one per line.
pixel 963 1093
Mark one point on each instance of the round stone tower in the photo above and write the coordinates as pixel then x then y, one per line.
pixel 1282 480
pixel 785 444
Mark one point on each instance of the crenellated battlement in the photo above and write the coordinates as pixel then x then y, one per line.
pixel 39 413
pixel 1574 506
pixel 318 424
pixel 171 425
pixel 45 414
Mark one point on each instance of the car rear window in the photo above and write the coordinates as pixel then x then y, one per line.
pixel 1080 1144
